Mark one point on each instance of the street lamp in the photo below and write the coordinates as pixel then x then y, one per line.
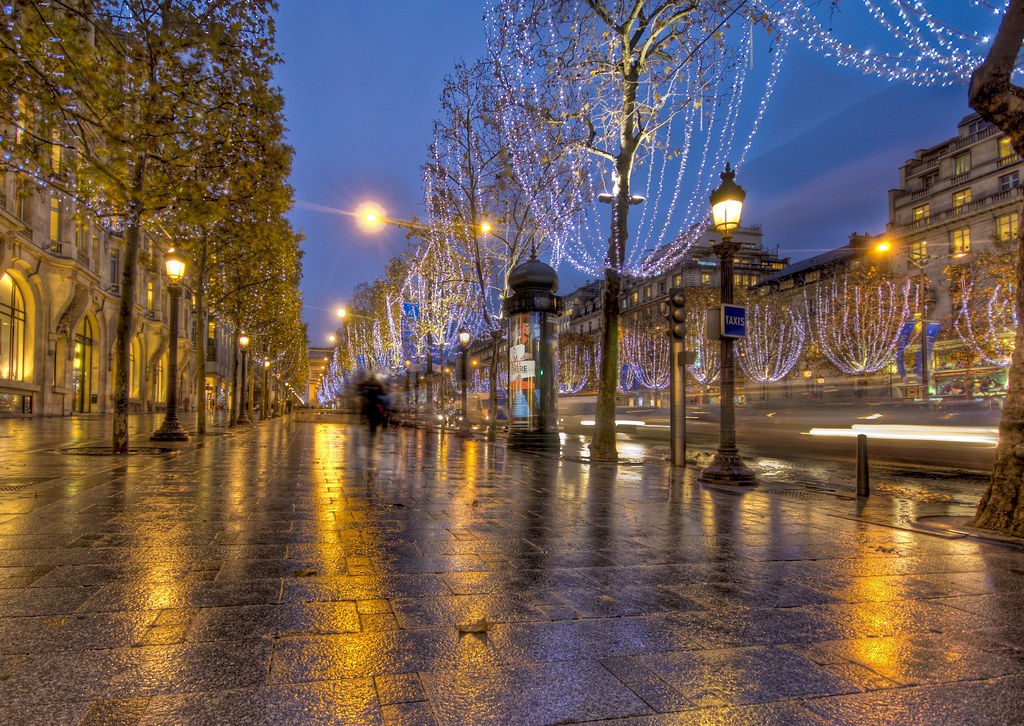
pixel 265 404
pixel 726 208
pixel 464 338
pixel 243 417
pixel 171 429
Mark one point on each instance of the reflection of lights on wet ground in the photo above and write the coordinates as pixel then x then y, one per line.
pixel 956 434
pixel 872 417
pixel 618 422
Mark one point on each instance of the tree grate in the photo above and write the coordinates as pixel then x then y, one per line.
pixel 15 485
pixel 107 451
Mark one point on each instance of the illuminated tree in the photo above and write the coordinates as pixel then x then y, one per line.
pixel 635 91
pixel 120 89
pixel 984 316
pixel 576 359
pixel 855 319
pixel 645 346
pixel 707 364
pixel 775 340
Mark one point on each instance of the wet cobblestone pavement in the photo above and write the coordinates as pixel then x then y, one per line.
pixel 298 572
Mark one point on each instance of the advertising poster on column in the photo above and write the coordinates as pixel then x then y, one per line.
pixel 522 370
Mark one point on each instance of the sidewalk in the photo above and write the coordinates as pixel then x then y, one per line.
pixel 305 573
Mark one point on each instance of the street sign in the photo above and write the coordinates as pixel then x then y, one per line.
pixel 734 321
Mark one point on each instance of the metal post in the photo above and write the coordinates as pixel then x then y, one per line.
pixel 464 426
pixel 863 487
pixel 171 429
pixel 243 416
pixel 727 467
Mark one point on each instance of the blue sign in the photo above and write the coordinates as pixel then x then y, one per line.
pixel 901 346
pixel 734 321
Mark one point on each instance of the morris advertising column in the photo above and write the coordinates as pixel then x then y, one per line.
pixel 532 310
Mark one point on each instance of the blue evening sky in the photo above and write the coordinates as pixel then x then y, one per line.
pixel 361 83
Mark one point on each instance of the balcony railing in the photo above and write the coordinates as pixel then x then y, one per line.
pixel 975 137
pixel 977 205
pixel 1007 160
pixel 960 178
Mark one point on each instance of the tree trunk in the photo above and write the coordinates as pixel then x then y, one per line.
pixel 602 445
pixel 123 339
pixel 126 313
pixel 993 95
pixel 1002 507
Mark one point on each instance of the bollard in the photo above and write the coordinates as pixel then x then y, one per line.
pixel 863 487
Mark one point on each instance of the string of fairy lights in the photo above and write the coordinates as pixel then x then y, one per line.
pixel 696 115
pixel 856 325
pixel 701 117
pixel 776 339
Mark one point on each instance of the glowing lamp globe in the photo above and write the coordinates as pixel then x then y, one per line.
pixel 727 202
pixel 175 267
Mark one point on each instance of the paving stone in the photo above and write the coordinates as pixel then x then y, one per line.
pixel 556 693
pixel 292 573
pixel 331 702
pixel 738 676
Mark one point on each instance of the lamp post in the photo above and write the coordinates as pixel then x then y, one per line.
pixel 464 338
pixel 171 429
pixel 265 403
pixel 243 416
pixel 726 207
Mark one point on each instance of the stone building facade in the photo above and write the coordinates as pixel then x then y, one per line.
pixel 60 275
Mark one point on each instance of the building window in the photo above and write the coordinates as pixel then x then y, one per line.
pixel 1006 148
pixel 677 280
pixel 21 192
pixel 960 241
pixel 12 330
pixel 661 286
pixel 82 235
pixel 919 250
pixel 977 126
pixel 634 296
pixel 647 292
pixel 1009 181
pixel 921 213
pixel 931 180
pixel 115 266
pixel 961 163
pixel 812 276
pixel 1006 227
pixel 961 198
pixel 149 295
pixel 56 153
pixel 705 278
pixel 54 218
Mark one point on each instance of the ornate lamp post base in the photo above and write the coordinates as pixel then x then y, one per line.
pixel 727 468
pixel 170 430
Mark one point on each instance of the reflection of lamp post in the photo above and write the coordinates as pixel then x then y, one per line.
pixel 243 417
pixel 464 337
pixel 726 207
pixel 171 429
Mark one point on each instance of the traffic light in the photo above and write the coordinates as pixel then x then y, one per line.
pixel 677 314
